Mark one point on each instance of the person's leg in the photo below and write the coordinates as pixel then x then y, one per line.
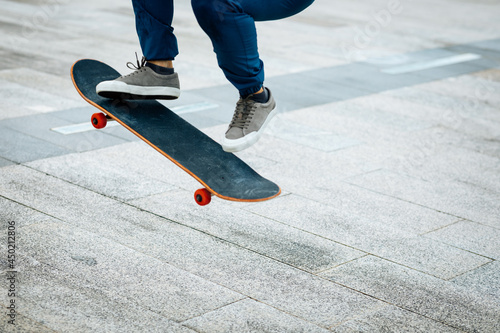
pixel 234 39
pixel 153 19
pixel 154 77
pixel 230 24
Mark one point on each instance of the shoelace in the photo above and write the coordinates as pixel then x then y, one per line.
pixel 245 110
pixel 140 64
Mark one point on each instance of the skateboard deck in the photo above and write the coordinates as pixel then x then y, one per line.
pixel 222 174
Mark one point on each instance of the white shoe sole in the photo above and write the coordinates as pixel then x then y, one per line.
pixel 233 146
pixel 113 88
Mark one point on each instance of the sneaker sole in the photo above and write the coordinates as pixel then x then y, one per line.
pixel 117 90
pixel 234 146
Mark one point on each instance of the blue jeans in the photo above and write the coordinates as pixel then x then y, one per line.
pixel 230 24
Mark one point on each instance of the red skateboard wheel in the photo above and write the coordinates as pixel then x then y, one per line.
pixel 202 197
pixel 99 120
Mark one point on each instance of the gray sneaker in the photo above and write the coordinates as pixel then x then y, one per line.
pixel 249 121
pixel 142 83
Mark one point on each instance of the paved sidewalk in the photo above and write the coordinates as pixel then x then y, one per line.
pixel 387 149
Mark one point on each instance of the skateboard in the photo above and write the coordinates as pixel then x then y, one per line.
pixel 222 174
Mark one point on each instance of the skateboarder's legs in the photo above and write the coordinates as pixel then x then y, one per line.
pixel 230 24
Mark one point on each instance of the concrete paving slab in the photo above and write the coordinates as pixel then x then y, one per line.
pixel 76 115
pixel 492 74
pixel 275 44
pixel 40 127
pixel 458 164
pixel 225 96
pixel 112 134
pixel 410 58
pixel 24 324
pixel 381 118
pixel 288 130
pixel 490 57
pixel 345 227
pixel 381 144
pixel 12 210
pixel 290 162
pixel 5 162
pixel 383 210
pixel 492 44
pixel 312 91
pixel 250 316
pixel 393 319
pixel 400 102
pixel 424 153
pixel 19 147
pixel 102 174
pixel 275 240
pixel 18 56
pixel 37 80
pixel 281 286
pixel 23 181
pixel 475 89
pixel 469 202
pixel 199 120
pixel 416 292
pixel 433 258
pixel 135 169
pixel 462 114
pixel 484 280
pixel 18 100
pixel 367 122
pixel 470 236
pixel 139 280
pixel 364 77
pixel 62 302
pixel 483 146
pixel 196 70
pixel 456 69
pixel 91 138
